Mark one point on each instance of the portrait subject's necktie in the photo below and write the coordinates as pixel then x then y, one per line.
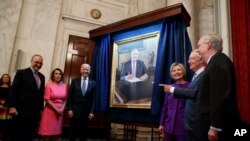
pixel 37 78
pixel 83 87
pixel 134 69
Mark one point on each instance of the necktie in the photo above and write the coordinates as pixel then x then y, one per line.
pixel 83 87
pixel 37 79
pixel 134 69
pixel 194 76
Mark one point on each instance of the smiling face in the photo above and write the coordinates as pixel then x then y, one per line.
pixel 37 62
pixel 57 76
pixel 195 61
pixel 177 72
pixel 85 70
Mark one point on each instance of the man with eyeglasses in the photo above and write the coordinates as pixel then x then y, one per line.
pixel 26 100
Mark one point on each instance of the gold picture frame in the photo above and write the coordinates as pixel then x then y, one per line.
pixel 133 93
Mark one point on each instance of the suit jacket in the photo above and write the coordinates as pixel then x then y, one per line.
pixel 217 106
pixel 79 104
pixel 140 69
pixel 172 115
pixel 25 95
pixel 191 105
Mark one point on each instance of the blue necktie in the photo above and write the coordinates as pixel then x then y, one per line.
pixel 83 87
pixel 194 76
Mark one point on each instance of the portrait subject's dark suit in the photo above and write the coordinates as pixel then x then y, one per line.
pixel 191 105
pixel 135 90
pixel 217 106
pixel 27 98
pixel 127 69
pixel 81 106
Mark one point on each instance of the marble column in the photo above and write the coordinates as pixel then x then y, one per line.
pixel 10 11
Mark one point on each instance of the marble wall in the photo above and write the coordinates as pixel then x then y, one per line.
pixel 34 27
pixel 137 7
pixel 208 16
pixel 9 18
pixel 76 19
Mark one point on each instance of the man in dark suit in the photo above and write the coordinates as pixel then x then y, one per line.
pixel 134 68
pixel 196 64
pixel 134 76
pixel 217 115
pixel 81 103
pixel 26 100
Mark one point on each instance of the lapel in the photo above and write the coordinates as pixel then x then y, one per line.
pixel 89 84
pixel 212 60
pixel 130 66
pixel 79 82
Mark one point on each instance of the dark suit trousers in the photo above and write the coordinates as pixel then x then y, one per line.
pixel 190 136
pixel 201 131
pixel 23 129
pixel 78 127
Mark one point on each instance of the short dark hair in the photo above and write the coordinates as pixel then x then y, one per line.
pixel 52 74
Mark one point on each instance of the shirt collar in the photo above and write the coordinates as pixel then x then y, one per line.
pixel 199 70
pixel 87 78
pixel 33 70
pixel 210 58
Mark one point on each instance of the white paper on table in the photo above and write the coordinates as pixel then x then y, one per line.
pixel 135 79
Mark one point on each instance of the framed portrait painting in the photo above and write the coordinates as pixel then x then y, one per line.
pixel 133 67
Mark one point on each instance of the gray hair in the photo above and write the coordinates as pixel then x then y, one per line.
pixel 134 50
pixel 215 40
pixel 196 52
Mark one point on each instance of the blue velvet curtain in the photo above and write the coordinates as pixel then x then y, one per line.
pixel 174 46
pixel 101 72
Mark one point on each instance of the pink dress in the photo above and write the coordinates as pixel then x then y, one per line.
pixel 51 123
